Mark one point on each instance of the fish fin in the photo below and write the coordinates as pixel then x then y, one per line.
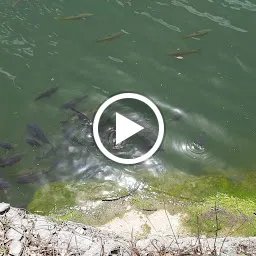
pixel 198 51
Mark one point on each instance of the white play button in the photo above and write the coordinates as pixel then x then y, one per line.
pixel 125 128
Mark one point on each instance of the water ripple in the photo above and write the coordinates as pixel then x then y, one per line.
pixel 172 27
pixel 192 150
pixel 10 76
pixel 222 21
pixel 245 5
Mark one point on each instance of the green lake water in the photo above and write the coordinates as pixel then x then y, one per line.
pixel 214 91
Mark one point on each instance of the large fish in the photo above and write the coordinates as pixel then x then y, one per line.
pixel 198 33
pixel 37 132
pixel 111 37
pixel 183 53
pixel 80 115
pixel 30 178
pixel 6 145
pixel 77 17
pixel 73 103
pixel 47 93
pixel 9 161
pixel 4 185
pixel 33 142
pixel 49 153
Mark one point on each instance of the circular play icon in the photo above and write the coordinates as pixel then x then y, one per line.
pixel 125 128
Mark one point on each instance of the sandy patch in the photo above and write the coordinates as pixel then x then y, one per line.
pixel 153 225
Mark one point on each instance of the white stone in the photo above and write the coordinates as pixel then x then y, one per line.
pixel 14 234
pixel 4 207
pixel 15 248
pixel 80 230
pixel 45 234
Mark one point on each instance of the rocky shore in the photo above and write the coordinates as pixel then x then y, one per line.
pixel 28 234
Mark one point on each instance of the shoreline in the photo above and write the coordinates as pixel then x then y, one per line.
pixel 23 233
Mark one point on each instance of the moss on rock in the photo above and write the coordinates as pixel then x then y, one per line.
pixel 63 201
pixel 52 198
pixel 195 196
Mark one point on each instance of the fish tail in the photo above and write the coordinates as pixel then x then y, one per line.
pixel 198 51
pixel 61 18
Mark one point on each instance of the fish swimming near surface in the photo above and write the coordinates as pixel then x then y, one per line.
pixel 47 93
pixel 73 103
pixel 73 139
pixel 6 145
pixel 198 33
pixel 111 37
pixel 4 185
pixel 33 142
pixel 80 115
pixel 183 53
pixel 48 154
pixel 9 161
pixel 77 17
pixel 37 132
pixel 30 178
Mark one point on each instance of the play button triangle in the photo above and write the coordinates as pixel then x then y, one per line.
pixel 125 128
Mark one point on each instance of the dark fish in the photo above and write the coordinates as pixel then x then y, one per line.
pixel 77 17
pixel 30 178
pixel 47 93
pixel 37 132
pixel 4 185
pixel 111 37
pixel 80 115
pixel 73 103
pixel 181 54
pixel 70 136
pixel 11 160
pixel 49 153
pixel 33 142
pixel 198 33
pixel 6 145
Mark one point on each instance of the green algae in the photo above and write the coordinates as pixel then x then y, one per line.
pixel 146 229
pixel 234 216
pixel 141 202
pixel 52 198
pixel 58 200
pixel 194 196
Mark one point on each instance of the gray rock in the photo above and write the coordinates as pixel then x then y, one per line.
pixel 4 208
pixel 15 248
